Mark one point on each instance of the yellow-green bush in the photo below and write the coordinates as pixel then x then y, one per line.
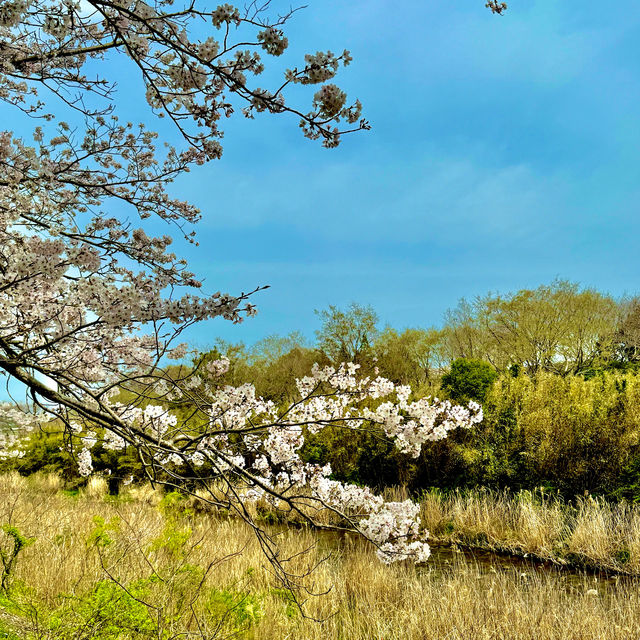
pixel 567 432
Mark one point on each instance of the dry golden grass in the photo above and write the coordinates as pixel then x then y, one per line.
pixel 96 487
pixel 367 600
pixel 589 531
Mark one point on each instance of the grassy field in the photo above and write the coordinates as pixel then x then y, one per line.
pixel 147 566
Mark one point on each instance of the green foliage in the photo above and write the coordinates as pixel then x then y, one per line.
pixel 43 451
pixel 568 433
pixel 622 556
pixel 361 457
pixel 628 485
pixel 116 612
pixel 291 608
pixel 468 380
pixel 102 534
pixel 625 342
pixel 173 539
pixel 559 327
pixel 168 596
pixel 271 365
pixel 276 379
pixel 543 426
pixel 175 505
pixel 236 611
pixel 274 346
pixel 47 451
pixel 571 433
pixel 10 551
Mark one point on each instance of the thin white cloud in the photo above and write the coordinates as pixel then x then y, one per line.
pixel 442 200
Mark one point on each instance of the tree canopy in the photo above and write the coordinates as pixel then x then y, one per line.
pixel 347 336
pixel 92 302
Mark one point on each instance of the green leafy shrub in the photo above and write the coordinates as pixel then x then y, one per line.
pixel 562 432
pixel 468 380
pixel 114 611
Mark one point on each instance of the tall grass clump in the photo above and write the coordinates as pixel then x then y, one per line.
pixel 587 531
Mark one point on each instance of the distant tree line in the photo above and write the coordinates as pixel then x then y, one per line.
pixel 558 328
pixel 554 367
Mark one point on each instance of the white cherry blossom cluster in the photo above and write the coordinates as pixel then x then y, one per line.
pixel 85 462
pixel 329 100
pixel 78 285
pixel 145 12
pixel 16 423
pixel 153 420
pixel 218 367
pixel 225 13
pixel 273 41
pixel 350 498
pixel 251 441
pixel 11 12
pixel 395 528
pixel 259 444
pixel 208 49
pixel 319 67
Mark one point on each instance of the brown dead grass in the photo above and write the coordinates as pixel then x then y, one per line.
pixel 588 531
pixel 366 600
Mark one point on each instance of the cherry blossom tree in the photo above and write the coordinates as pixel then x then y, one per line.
pixel 92 304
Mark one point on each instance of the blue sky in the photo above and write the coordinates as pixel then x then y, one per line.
pixel 503 154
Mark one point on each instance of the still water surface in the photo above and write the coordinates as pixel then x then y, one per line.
pixel 446 559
